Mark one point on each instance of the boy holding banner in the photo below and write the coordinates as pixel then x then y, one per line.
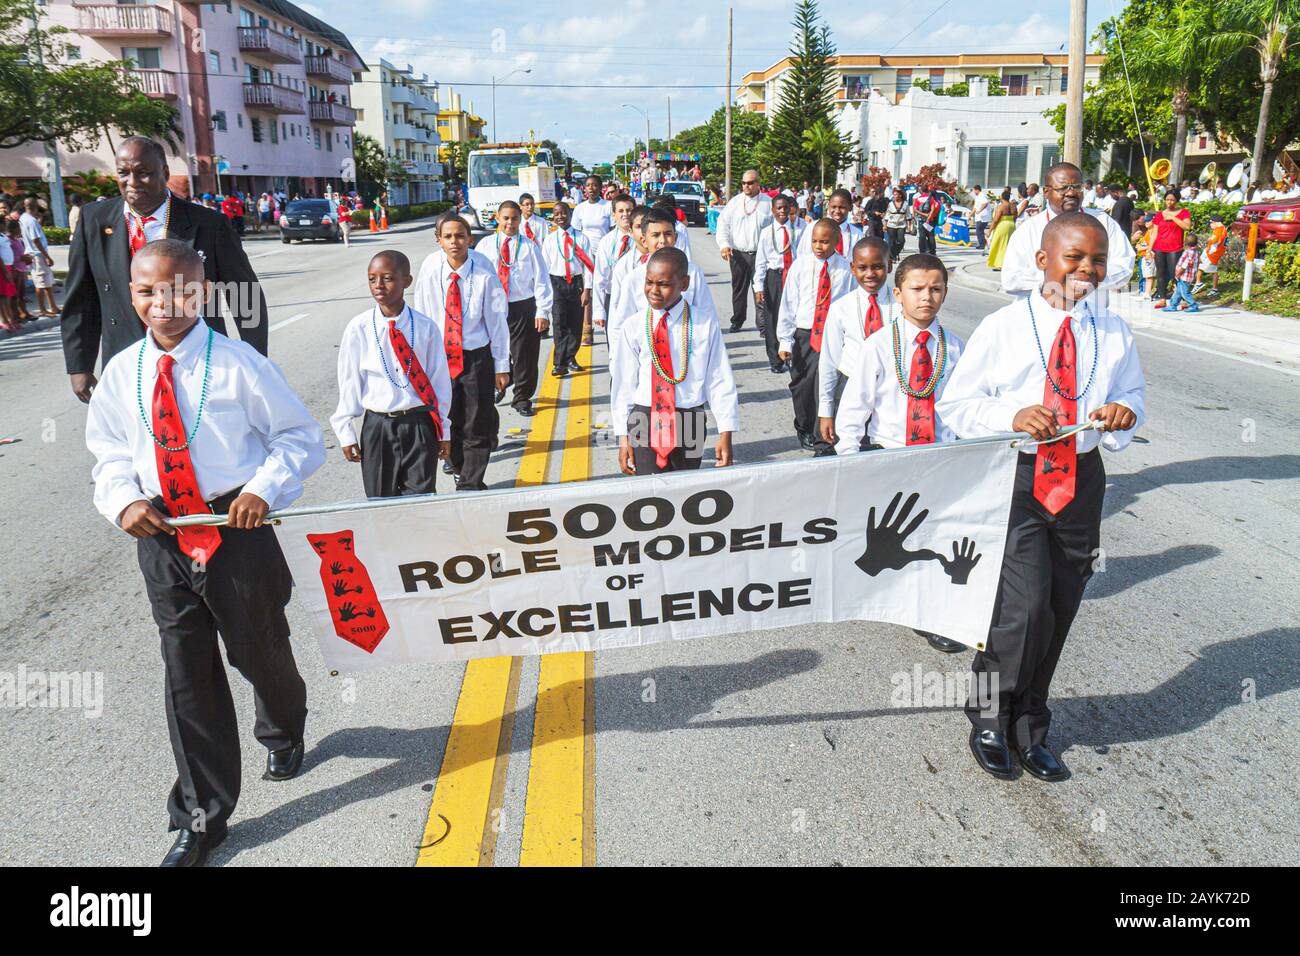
pixel 568 260
pixel 668 365
pixel 816 280
pixel 392 370
pixel 1045 362
pixel 191 422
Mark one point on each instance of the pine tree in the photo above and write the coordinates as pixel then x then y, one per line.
pixel 806 99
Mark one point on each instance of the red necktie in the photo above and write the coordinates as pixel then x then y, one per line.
pixel 786 255
pixel 451 332
pixel 354 606
pixel 571 248
pixel 873 321
pixel 1055 465
pixel 415 374
pixel 180 486
pixel 503 266
pixel 839 243
pixel 622 247
pixel 920 411
pixel 663 397
pixel 821 308
pixel 138 240
pixel 528 231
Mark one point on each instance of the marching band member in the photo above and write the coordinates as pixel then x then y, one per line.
pixel 670 364
pixel 392 368
pixel 1047 361
pixel 186 422
pixel 777 247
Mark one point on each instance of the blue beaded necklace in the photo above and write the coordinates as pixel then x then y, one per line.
pixel 203 395
pixel 410 340
pixel 1096 350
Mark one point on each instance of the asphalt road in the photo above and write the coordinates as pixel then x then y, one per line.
pixel 1175 701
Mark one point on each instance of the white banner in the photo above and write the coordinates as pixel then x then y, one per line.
pixel 912 536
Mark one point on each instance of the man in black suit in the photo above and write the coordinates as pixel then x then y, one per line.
pixel 98 318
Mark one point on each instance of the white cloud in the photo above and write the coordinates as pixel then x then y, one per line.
pixel 696 32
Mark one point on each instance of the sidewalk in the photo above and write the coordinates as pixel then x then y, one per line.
pixel 1228 329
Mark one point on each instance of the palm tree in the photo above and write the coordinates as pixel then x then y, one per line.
pixel 1263 26
pixel 822 141
pixel 1176 52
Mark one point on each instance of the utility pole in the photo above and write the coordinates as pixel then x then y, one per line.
pixel 1074 83
pixel 670 121
pixel 726 180
pixel 57 206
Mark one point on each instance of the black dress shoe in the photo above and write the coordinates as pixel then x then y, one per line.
pixel 575 367
pixel 1040 762
pixel 526 409
pixel 806 441
pixel 191 849
pixel 446 468
pixel 735 326
pixel 559 372
pixel 776 368
pixel 501 394
pixel 947 645
pixel 284 764
pixel 991 752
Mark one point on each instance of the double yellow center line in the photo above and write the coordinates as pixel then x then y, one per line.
pixel 467 812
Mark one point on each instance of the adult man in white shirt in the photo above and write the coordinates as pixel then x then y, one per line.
pixel 1064 193
pixel 981 214
pixel 742 219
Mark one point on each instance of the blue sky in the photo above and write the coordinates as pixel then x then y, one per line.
pixel 678 43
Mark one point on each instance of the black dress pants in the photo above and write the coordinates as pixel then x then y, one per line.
pixel 525 345
pixel 240 594
pixel 742 285
pixel 692 427
pixel 1046 567
pixel 566 319
pixel 399 456
pixel 474 419
pixel 804 363
pixel 772 287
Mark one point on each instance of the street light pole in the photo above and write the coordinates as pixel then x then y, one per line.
pixel 494 98
pixel 647 123
pixel 57 206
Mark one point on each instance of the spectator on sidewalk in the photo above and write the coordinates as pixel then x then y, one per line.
pixel 981 215
pixel 1121 209
pixel 38 247
pixel 1184 274
pixel 1172 223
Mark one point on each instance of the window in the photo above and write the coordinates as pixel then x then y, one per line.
pixel 903 82
pixel 1051 156
pixel 214 62
pixel 1017 164
pixel 977 165
pixel 284 131
pixel 255 125
pixel 74 52
pixel 1017 84
pixel 329 145
pixel 246 18
pixel 316 136
pixel 857 86
pixel 1065 75
pixel 219 120
pixel 252 73
pixel 936 81
pixel 239 120
pixel 275 132
pixel 145 57
pixel 234 64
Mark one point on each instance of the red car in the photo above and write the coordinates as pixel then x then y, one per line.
pixel 1279 220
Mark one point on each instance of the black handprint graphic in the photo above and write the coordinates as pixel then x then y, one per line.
pixel 962 562
pixel 885 541
pixel 166 437
pixel 348 611
pixel 1050 464
pixel 346 543
pixel 169 466
pixel 337 568
pixel 164 413
pixel 340 588
pixel 175 493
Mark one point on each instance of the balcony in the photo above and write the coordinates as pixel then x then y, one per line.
pixel 156 84
pixel 124 20
pixel 273 98
pixel 411 132
pixel 335 114
pixel 330 68
pixel 400 94
pixel 268 44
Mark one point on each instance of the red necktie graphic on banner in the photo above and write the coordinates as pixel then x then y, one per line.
pixel 180 486
pixel 451 332
pixel 503 265
pixel 872 322
pixel 823 306
pixel 354 607
pixel 1055 464
pixel 920 411
pixel 415 374
pixel 663 397
pixel 787 256
pixel 138 239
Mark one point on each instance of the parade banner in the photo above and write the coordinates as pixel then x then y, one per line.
pixel 912 536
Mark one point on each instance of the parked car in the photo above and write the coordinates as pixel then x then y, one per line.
pixel 690 198
pixel 1279 220
pixel 309 219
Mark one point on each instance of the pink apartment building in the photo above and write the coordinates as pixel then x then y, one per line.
pixel 263 91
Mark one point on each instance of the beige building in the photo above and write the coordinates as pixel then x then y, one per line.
pixel 400 112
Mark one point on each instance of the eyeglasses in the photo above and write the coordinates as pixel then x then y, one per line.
pixel 1068 188
pixel 749 182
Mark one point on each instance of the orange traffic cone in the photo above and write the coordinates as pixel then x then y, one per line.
pixel 383 217
pixel 373 227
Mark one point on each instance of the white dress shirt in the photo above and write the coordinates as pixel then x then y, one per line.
pixel 629 297
pixel 541 228
pixel 255 432
pixel 708 372
pixel 683 239
pixel 483 302
pixel 843 337
pixel 873 391
pixel 799 299
pixel 593 219
pixel 1020 274
pixel 607 257
pixel 527 270
pixel 741 220
pixel 772 243
pixel 372 379
pixel 850 233
pixel 617 276
pixel 553 255
pixel 156 228
pixel 1002 372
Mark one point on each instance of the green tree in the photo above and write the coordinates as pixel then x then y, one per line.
pixel 962 87
pixel 371 163
pixel 75 103
pixel 710 141
pixel 807 98
pixel 821 140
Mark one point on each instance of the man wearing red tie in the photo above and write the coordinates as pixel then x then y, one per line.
pixel 1045 363
pixel 778 245
pixel 98 321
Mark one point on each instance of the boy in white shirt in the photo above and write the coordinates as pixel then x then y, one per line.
pixel 532 225
pixel 392 369
pixel 525 279
pixel 624 267
pixel 221 433
pixel 667 203
pixel 838 207
pixel 569 262
pixel 815 281
pixel 459 289
pixel 616 244
pixel 629 296
pixel 778 245
pixel 659 391
pixel 1041 364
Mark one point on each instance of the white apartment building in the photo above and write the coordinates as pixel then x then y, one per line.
pixel 400 111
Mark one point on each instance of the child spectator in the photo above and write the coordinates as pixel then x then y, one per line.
pixel 1184 273
pixel 1209 265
